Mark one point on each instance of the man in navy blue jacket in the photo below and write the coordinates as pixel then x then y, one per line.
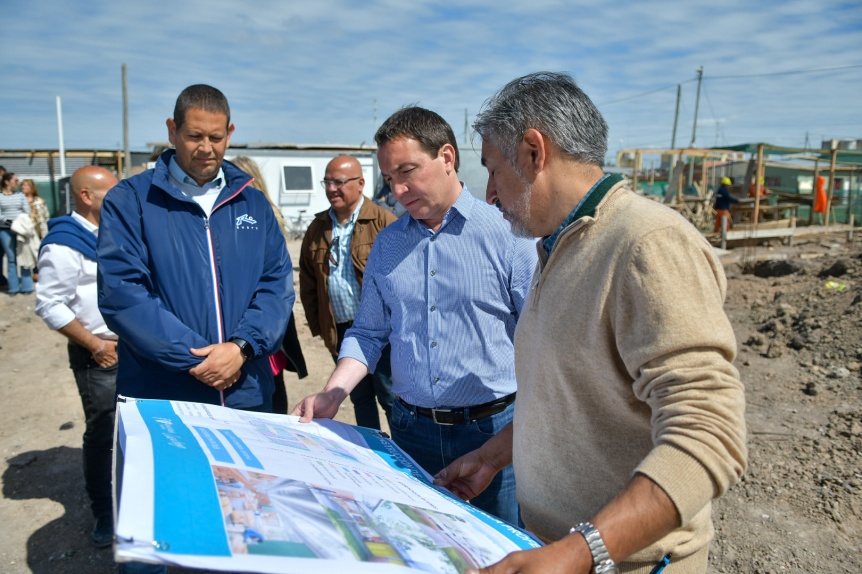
pixel 194 276
pixel 723 201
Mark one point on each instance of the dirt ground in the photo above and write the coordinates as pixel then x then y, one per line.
pixel 798 321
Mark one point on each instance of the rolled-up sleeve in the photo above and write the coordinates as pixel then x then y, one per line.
pixel 57 285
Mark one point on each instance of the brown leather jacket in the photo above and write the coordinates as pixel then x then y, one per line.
pixel 314 264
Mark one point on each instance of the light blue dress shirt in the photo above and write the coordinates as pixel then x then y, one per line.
pixel 344 288
pixel 448 302
pixel 205 195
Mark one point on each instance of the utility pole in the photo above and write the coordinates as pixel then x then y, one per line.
pixel 694 127
pixel 466 125
pixel 696 106
pixel 676 116
pixel 61 138
pixel 127 161
pixel 62 141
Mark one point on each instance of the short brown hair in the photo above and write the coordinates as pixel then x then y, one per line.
pixel 201 97
pixel 426 127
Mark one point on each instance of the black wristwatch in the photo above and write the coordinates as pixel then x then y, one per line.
pixel 244 348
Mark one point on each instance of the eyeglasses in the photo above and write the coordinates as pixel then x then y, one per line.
pixel 332 249
pixel 336 183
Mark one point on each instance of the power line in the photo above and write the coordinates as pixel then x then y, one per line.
pixel 709 103
pixel 721 132
pixel 784 73
pixel 714 117
pixel 732 77
pixel 646 93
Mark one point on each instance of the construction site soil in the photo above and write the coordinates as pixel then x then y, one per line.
pixel 797 314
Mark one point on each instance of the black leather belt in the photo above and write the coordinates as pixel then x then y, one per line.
pixel 462 415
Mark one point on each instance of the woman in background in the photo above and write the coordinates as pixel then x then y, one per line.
pixel 290 356
pixel 13 204
pixel 38 208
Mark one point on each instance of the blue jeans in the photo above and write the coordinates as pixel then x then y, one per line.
pixel 435 446
pixel 10 244
pixel 376 385
pixel 97 387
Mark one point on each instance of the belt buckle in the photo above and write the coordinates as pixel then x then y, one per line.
pixel 434 416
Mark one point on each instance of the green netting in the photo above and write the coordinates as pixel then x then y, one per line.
pixel 845 157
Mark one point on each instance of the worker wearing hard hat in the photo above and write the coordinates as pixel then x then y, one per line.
pixel 723 199
pixel 752 189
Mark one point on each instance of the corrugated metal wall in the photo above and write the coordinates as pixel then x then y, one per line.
pixel 36 165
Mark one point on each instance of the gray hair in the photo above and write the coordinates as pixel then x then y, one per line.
pixel 552 103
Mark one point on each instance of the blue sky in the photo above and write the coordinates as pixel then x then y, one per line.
pixel 311 72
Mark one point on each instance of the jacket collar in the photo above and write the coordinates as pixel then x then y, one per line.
pixel 235 179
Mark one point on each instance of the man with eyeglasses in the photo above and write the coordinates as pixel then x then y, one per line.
pixel 332 261
pixel 445 287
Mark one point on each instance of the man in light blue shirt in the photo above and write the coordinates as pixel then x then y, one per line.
pixel 444 287
pixel 204 195
pixel 344 287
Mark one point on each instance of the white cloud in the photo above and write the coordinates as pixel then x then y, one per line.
pixel 311 71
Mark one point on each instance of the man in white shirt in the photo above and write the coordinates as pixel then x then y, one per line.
pixel 66 299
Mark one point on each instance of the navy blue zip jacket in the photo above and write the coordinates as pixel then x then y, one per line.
pixel 723 199
pixel 171 279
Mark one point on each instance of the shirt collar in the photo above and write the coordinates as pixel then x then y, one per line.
pixel 549 241
pixel 463 206
pixel 181 176
pixel 352 219
pixel 464 203
pixel 85 223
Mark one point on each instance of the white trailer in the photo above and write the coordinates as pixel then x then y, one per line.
pixel 293 173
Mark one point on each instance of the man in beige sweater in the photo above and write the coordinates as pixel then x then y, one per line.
pixel 630 414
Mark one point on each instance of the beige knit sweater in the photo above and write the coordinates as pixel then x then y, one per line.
pixel 624 363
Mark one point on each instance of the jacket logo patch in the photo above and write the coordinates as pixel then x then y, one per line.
pixel 245 218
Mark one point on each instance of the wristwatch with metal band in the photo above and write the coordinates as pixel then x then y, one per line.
pixel 602 563
pixel 244 347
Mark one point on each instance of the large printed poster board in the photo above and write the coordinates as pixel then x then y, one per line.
pixel 203 486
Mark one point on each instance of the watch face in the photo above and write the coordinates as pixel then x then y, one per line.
pixel 247 351
pixel 244 348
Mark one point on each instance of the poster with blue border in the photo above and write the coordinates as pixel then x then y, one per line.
pixel 203 486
